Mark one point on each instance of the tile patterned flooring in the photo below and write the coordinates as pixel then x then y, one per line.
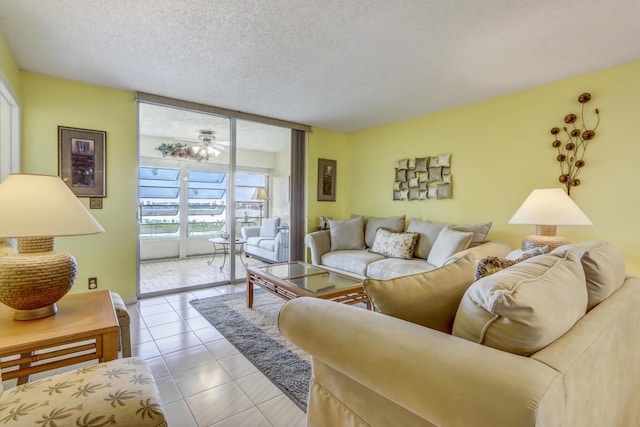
pixel 176 274
pixel 202 378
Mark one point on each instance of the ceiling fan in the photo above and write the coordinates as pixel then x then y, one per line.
pixel 206 144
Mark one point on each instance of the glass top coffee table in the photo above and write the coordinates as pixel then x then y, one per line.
pixel 298 279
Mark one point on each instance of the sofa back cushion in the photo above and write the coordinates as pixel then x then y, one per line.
pixel 347 234
pixel 524 308
pixel 604 269
pixel 429 299
pixel 371 225
pixel 428 232
pixel 269 227
pixel 449 242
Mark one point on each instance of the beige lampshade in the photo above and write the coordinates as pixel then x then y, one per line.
pixel 42 206
pixel 547 208
pixel 260 194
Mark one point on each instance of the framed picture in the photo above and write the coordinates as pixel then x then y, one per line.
pixel 327 180
pixel 82 161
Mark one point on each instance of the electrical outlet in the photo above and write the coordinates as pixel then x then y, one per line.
pixel 93 283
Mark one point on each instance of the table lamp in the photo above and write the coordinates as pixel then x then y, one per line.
pixel 546 209
pixel 35 209
pixel 260 194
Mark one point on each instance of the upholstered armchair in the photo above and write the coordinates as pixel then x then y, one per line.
pixel 269 241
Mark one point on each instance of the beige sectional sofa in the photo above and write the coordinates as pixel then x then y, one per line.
pixel 356 248
pixel 551 341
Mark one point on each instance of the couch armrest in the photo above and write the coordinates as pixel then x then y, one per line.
pixel 441 378
pixel 320 243
pixel 250 231
pixel 488 248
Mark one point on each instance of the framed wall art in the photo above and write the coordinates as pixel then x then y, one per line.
pixel 82 161
pixel 327 180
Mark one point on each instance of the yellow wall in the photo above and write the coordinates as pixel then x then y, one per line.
pixel 322 144
pixel 500 151
pixel 50 102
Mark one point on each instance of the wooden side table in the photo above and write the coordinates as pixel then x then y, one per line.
pixel 84 328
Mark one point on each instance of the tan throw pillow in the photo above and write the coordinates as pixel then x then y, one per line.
pixel 392 244
pixel 429 299
pixel 604 269
pixel 448 243
pixel 347 234
pixel 526 307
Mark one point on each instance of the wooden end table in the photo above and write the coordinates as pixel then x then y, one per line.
pixel 84 328
pixel 298 279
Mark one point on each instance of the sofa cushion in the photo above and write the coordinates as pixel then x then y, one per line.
pixel 394 244
pixel 371 225
pixel 389 268
pixel 604 269
pixel 480 230
pixel 428 232
pixel 429 299
pixel 524 308
pixel 269 227
pixel 347 234
pixel 449 242
pixel 350 261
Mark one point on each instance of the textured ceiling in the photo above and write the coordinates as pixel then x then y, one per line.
pixel 334 64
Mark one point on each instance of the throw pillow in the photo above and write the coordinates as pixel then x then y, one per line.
pixel 428 232
pixel 269 227
pixel 448 243
pixel 391 243
pixel 526 307
pixel 347 234
pixel 429 299
pixel 603 266
pixel 492 264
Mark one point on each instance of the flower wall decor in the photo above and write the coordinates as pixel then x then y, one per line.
pixel 180 150
pixel 576 139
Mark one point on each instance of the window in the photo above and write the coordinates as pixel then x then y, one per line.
pixel 9 130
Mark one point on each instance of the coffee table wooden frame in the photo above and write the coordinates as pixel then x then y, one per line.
pixel 288 291
pixel 84 328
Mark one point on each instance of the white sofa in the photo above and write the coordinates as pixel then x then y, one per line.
pixel 350 246
pixel 268 242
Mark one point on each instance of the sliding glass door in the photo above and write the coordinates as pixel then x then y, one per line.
pixel 192 207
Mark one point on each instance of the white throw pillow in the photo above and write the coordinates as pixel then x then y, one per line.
pixel 269 227
pixel 448 243
pixel 347 234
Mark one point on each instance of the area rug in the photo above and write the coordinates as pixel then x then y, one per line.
pixel 254 332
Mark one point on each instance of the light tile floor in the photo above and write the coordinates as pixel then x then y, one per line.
pixel 176 274
pixel 203 380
